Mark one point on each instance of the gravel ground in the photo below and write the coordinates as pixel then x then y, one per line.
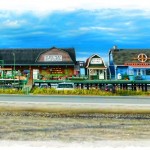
pixel 40 127
pixel 55 126
pixel 20 122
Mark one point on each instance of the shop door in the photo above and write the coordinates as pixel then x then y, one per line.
pixel 101 74
pixel 35 73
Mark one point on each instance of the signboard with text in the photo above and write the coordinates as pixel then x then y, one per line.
pixel 53 58
pixel 96 61
pixel 138 64
pixel 54 55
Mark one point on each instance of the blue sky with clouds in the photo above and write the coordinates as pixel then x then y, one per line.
pixel 86 26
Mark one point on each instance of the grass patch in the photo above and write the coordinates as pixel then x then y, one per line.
pixel 96 92
pixel 11 91
pixel 132 93
pixel 52 91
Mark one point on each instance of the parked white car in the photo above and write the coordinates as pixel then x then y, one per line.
pixel 65 86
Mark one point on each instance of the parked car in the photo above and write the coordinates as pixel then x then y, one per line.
pixel 44 85
pixel 65 86
pixel 109 88
pixel 54 85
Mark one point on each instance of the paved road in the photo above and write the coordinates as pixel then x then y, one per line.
pixel 114 100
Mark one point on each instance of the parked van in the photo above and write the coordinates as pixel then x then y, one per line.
pixel 65 86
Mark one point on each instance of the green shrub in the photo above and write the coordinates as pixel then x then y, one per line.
pixel 129 92
pixel 10 91
pixel 52 91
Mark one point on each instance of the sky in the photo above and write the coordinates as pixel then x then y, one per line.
pixel 89 26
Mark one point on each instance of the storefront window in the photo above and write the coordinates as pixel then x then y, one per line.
pixel 138 72
pixel 143 72
pixel 131 72
pixel 148 72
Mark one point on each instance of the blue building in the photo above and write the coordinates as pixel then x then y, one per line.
pixel 129 64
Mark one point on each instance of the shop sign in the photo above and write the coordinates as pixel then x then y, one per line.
pixel 142 58
pixel 96 61
pixel 53 58
pixel 138 64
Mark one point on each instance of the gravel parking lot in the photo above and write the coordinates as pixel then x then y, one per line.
pixel 23 123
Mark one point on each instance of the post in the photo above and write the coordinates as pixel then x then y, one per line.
pixel 14 61
pixel 14 66
pixel 2 72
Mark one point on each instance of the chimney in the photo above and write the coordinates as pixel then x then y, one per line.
pixel 115 47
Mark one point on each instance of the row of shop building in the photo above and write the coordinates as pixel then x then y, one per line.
pixel 60 63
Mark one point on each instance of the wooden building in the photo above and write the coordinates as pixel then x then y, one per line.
pixel 96 68
pixel 45 63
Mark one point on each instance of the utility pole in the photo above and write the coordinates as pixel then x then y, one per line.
pixel 14 65
pixel 1 67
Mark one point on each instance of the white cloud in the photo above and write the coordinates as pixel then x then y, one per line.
pixel 67 5
pixel 13 23
pixel 98 28
pixel 129 23
pixel 82 58
pixel 10 23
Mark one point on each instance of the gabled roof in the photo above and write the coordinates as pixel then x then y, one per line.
pixel 25 56
pixel 88 65
pixel 123 56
